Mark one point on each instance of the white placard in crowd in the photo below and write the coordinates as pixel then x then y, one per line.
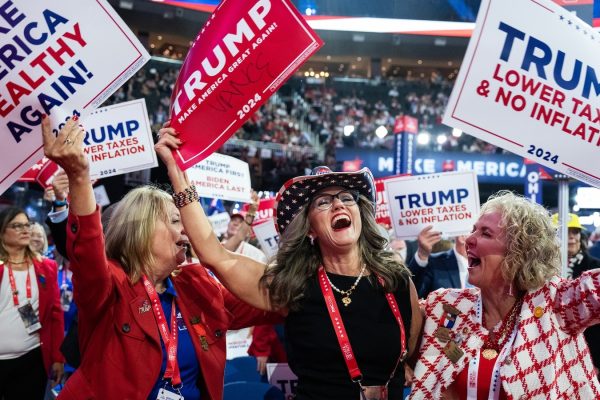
pixel 449 201
pixel 59 58
pixel 267 237
pixel 219 222
pixel 101 196
pixel 221 177
pixel 238 343
pixel 530 83
pixel 280 375
pixel 119 139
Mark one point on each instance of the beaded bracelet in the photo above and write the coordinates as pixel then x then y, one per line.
pixel 182 199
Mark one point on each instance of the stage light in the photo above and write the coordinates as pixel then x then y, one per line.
pixel 381 132
pixel 423 138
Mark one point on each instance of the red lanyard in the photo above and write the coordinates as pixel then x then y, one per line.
pixel 169 338
pixel 13 286
pixel 340 330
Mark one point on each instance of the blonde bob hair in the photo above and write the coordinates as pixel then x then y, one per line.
pixel 130 228
pixel 532 249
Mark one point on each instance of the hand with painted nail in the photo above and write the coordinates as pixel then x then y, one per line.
pixel 66 149
pixel 167 142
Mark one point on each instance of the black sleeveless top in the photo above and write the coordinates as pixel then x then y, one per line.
pixel 313 350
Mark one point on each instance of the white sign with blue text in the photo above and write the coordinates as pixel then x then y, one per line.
pixel 530 83
pixel 57 58
pixel 221 177
pixel 267 237
pixel 118 139
pixel 449 201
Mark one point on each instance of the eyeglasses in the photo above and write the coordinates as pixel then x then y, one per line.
pixel 21 227
pixel 325 201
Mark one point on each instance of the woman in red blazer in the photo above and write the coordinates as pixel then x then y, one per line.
pixel 148 329
pixel 31 320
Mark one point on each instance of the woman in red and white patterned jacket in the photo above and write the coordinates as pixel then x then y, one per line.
pixel 518 334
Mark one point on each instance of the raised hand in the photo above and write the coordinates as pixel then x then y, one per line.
pixel 427 238
pixel 167 142
pixel 66 149
pixel 60 185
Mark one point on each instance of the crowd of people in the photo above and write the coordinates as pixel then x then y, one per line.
pixel 302 114
pixel 155 292
pixel 134 301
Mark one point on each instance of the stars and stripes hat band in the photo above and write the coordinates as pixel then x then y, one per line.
pixel 297 192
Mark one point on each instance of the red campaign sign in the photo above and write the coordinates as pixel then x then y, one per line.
pixel 406 124
pixel 382 214
pixel 264 212
pixel 41 172
pixel 244 53
pixel 44 178
pixel 31 174
pixel 41 167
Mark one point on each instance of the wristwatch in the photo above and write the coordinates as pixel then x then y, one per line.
pixel 59 203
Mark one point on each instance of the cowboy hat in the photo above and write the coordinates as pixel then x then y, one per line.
pixel 297 192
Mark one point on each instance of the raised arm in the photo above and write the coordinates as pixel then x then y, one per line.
pixel 577 302
pixel 233 242
pixel 66 149
pixel 238 273
pixel 85 243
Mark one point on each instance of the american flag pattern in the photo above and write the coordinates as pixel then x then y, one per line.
pixel 297 192
pixel 549 358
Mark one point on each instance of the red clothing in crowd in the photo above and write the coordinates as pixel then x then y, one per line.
pixel 266 343
pixel 50 311
pixel 118 334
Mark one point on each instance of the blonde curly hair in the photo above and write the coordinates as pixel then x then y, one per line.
pixel 532 248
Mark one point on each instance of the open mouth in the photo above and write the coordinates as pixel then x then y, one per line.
pixel 474 262
pixel 183 245
pixel 340 222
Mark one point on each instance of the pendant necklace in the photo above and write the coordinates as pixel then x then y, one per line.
pixel 346 300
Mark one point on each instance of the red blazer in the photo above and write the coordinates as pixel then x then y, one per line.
pixel 266 343
pixel 118 335
pixel 50 312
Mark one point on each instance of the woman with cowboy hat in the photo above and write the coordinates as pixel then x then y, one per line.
pixel 351 310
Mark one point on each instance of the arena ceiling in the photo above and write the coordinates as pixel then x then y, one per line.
pixel 170 29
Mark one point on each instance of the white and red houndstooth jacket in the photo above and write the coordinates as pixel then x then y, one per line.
pixel 549 358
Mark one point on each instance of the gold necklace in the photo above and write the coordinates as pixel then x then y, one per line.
pixel 507 325
pixel 17 263
pixel 346 293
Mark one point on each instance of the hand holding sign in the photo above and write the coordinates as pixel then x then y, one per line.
pixel 60 185
pixel 167 142
pixel 243 54
pixel 427 238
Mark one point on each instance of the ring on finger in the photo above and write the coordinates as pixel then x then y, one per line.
pixel 68 141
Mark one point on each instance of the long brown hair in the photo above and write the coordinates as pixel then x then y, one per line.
pixel 297 260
